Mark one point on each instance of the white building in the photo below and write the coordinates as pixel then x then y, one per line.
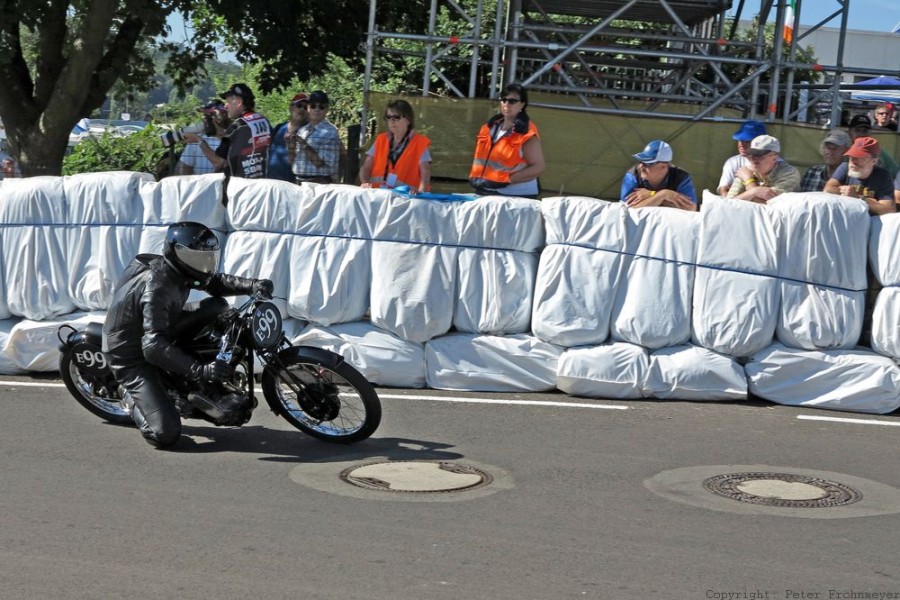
pixel 863 49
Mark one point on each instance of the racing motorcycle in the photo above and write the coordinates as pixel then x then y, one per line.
pixel 314 389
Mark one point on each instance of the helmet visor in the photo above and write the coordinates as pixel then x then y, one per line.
pixel 203 262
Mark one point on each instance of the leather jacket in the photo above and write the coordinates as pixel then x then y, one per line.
pixel 146 304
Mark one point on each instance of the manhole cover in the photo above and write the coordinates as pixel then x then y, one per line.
pixel 419 477
pixel 782 489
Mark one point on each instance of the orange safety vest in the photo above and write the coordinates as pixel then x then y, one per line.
pixel 495 161
pixel 407 166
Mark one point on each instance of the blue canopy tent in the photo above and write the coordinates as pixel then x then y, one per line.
pixel 877 89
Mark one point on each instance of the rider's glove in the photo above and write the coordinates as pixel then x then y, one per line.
pixel 215 372
pixel 263 287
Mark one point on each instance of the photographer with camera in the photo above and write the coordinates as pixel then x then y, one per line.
pixel 215 122
pixel 244 150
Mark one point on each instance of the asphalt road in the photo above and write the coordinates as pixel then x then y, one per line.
pixel 585 502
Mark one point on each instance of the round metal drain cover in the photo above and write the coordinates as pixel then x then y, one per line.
pixel 418 477
pixel 782 489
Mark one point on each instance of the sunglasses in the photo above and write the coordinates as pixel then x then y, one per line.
pixel 392 117
pixel 318 106
pixel 510 100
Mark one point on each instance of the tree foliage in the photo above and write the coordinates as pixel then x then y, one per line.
pixel 141 151
pixel 59 60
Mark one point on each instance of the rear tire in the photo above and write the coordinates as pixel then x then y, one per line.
pixel 101 397
pixel 358 408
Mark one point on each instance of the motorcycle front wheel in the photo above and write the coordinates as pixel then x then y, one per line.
pixel 98 395
pixel 334 403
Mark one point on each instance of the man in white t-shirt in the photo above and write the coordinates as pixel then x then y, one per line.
pixel 743 137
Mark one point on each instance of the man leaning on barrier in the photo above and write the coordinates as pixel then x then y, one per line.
pixel 655 181
pixel 862 177
pixel 768 174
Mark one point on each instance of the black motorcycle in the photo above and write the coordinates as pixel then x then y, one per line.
pixel 314 389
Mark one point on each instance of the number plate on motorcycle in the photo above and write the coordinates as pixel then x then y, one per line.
pixel 89 358
pixel 267 326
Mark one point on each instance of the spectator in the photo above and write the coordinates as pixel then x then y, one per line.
pixel 316 153
pixel 655 181
pixel 863 178
pixel 897 189
pixel 215 122
pixel 832 148
pixel 7 166
pixel 884 117
pixel 244 149
pixel 767 176
pixel 399 156
pixel 280 164
pixel 508 155
pixel 861 126
pixel 743 137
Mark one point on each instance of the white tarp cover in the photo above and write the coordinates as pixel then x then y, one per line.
pixel 735 301
pixel 579 270
pixel 884 240
pixel 33 248
pixel 183 198
pixel 693 373
pixel 616 370
pixel 652 306
pixel 822 240
pixel 497 264
pixel 313 241
pixel 383 358
pixel 105 212
pixel 850 380
pixel 34 345
pixel 512 363
pixel 414 258
pixel 7 364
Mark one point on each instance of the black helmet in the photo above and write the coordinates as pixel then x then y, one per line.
pixel 193 249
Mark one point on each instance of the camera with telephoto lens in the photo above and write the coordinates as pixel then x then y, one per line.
pixel 171 138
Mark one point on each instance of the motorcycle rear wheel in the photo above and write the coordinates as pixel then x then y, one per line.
pixel 89 395
pixel 359 410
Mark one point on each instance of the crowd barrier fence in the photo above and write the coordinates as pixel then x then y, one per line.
pixel 495 294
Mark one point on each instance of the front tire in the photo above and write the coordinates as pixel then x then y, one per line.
pixel 98 395
pixel 352 413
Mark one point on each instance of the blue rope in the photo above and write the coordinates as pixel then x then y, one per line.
pixel 710 267
pixel 463 247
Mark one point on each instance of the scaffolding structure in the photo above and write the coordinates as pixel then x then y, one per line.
pixel 678 59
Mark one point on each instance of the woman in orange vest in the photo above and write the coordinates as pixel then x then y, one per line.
pixel 399 156
pixel 508 154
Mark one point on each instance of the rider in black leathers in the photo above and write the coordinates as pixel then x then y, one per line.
pixel 148 312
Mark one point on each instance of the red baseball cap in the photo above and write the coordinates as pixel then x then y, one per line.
pixel 299 99
pixel 864 147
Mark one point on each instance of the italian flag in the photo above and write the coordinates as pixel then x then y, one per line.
pixel 789 22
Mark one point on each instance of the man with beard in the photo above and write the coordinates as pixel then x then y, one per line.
pixel 863 178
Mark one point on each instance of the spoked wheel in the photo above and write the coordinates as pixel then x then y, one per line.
pixel 331 403
pixel 100 395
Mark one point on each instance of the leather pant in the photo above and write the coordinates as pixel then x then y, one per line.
pixel 154 412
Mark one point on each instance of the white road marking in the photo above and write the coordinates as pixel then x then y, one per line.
pixel 461 399
pixel 464 399
pixel 856 421
pixel 30 384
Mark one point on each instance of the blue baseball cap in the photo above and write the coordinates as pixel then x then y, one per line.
pixel 749 130
pixel 654 152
